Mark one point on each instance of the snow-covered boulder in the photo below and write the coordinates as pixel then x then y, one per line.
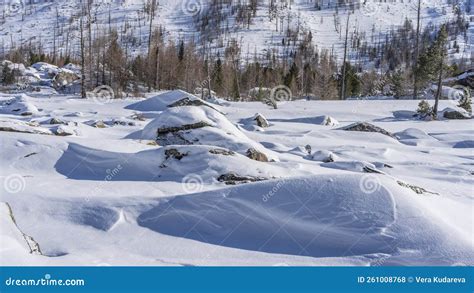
pixel 46 70
pixel 261 120
pixel 18 105
pixel 458 113
pixel 170 163
pixel 323 156
pixel 64 130
pixel 12 125
pixel 64 78
pixel 198 125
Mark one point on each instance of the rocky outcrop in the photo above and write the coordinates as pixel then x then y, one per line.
pixel 174 153
pixel 191 102
pixel 455 114
pixel 223 152
pixel 171 135
pixel 367 127
pixel 233 179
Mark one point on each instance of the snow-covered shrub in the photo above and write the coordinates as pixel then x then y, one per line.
pixel 424 109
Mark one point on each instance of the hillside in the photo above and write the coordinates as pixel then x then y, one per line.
pixel 258 27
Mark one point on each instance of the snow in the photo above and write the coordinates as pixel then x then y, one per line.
pixel 34 23
pixel 19 105
pixel 162 101
pixel 113 196
pixel 219 130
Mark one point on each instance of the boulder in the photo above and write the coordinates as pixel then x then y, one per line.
pixel 63 130
pixel 174 153
pixel 233 179
pixel 261 120
pixel 64 78
pixel 223 152
pixel 367 127
pixel 190 102
pixel 456 114
pixel 55 121
pixel 323 156
pixel 256 155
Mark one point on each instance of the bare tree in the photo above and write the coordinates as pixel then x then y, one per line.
pixel 83 59
pixel 417 52
pixel 343 87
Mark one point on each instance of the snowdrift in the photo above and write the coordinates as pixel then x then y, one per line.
pixel 313 216
pixel 170 163
pixel 163 101
pixel 18 105
pixel 198 125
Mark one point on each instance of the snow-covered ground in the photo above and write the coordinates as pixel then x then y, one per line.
pixel 92 187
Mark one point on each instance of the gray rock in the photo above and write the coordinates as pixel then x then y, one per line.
pixel 367 127
pixel 455 114
pixel 256 155
pixel 188 102
pixel 174 153
pixel 233 179
pixel 261 120
pixel 223 152
pixel 54 121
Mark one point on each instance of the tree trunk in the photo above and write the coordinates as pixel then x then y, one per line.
pixel 83 63
pixel 343 87
pixel 417 52
pixel 440 89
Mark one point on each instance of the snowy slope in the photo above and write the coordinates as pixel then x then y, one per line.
pixel 30 23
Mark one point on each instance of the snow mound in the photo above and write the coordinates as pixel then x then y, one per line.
pixel 163 101
pixel 354 166
pixel 19 105
pixel 97 217
pixel 172 163
pixel 198 125
pixel 318 120
pixel 466 144
pixel 319 216
pixel 10 125
pixel 412 133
